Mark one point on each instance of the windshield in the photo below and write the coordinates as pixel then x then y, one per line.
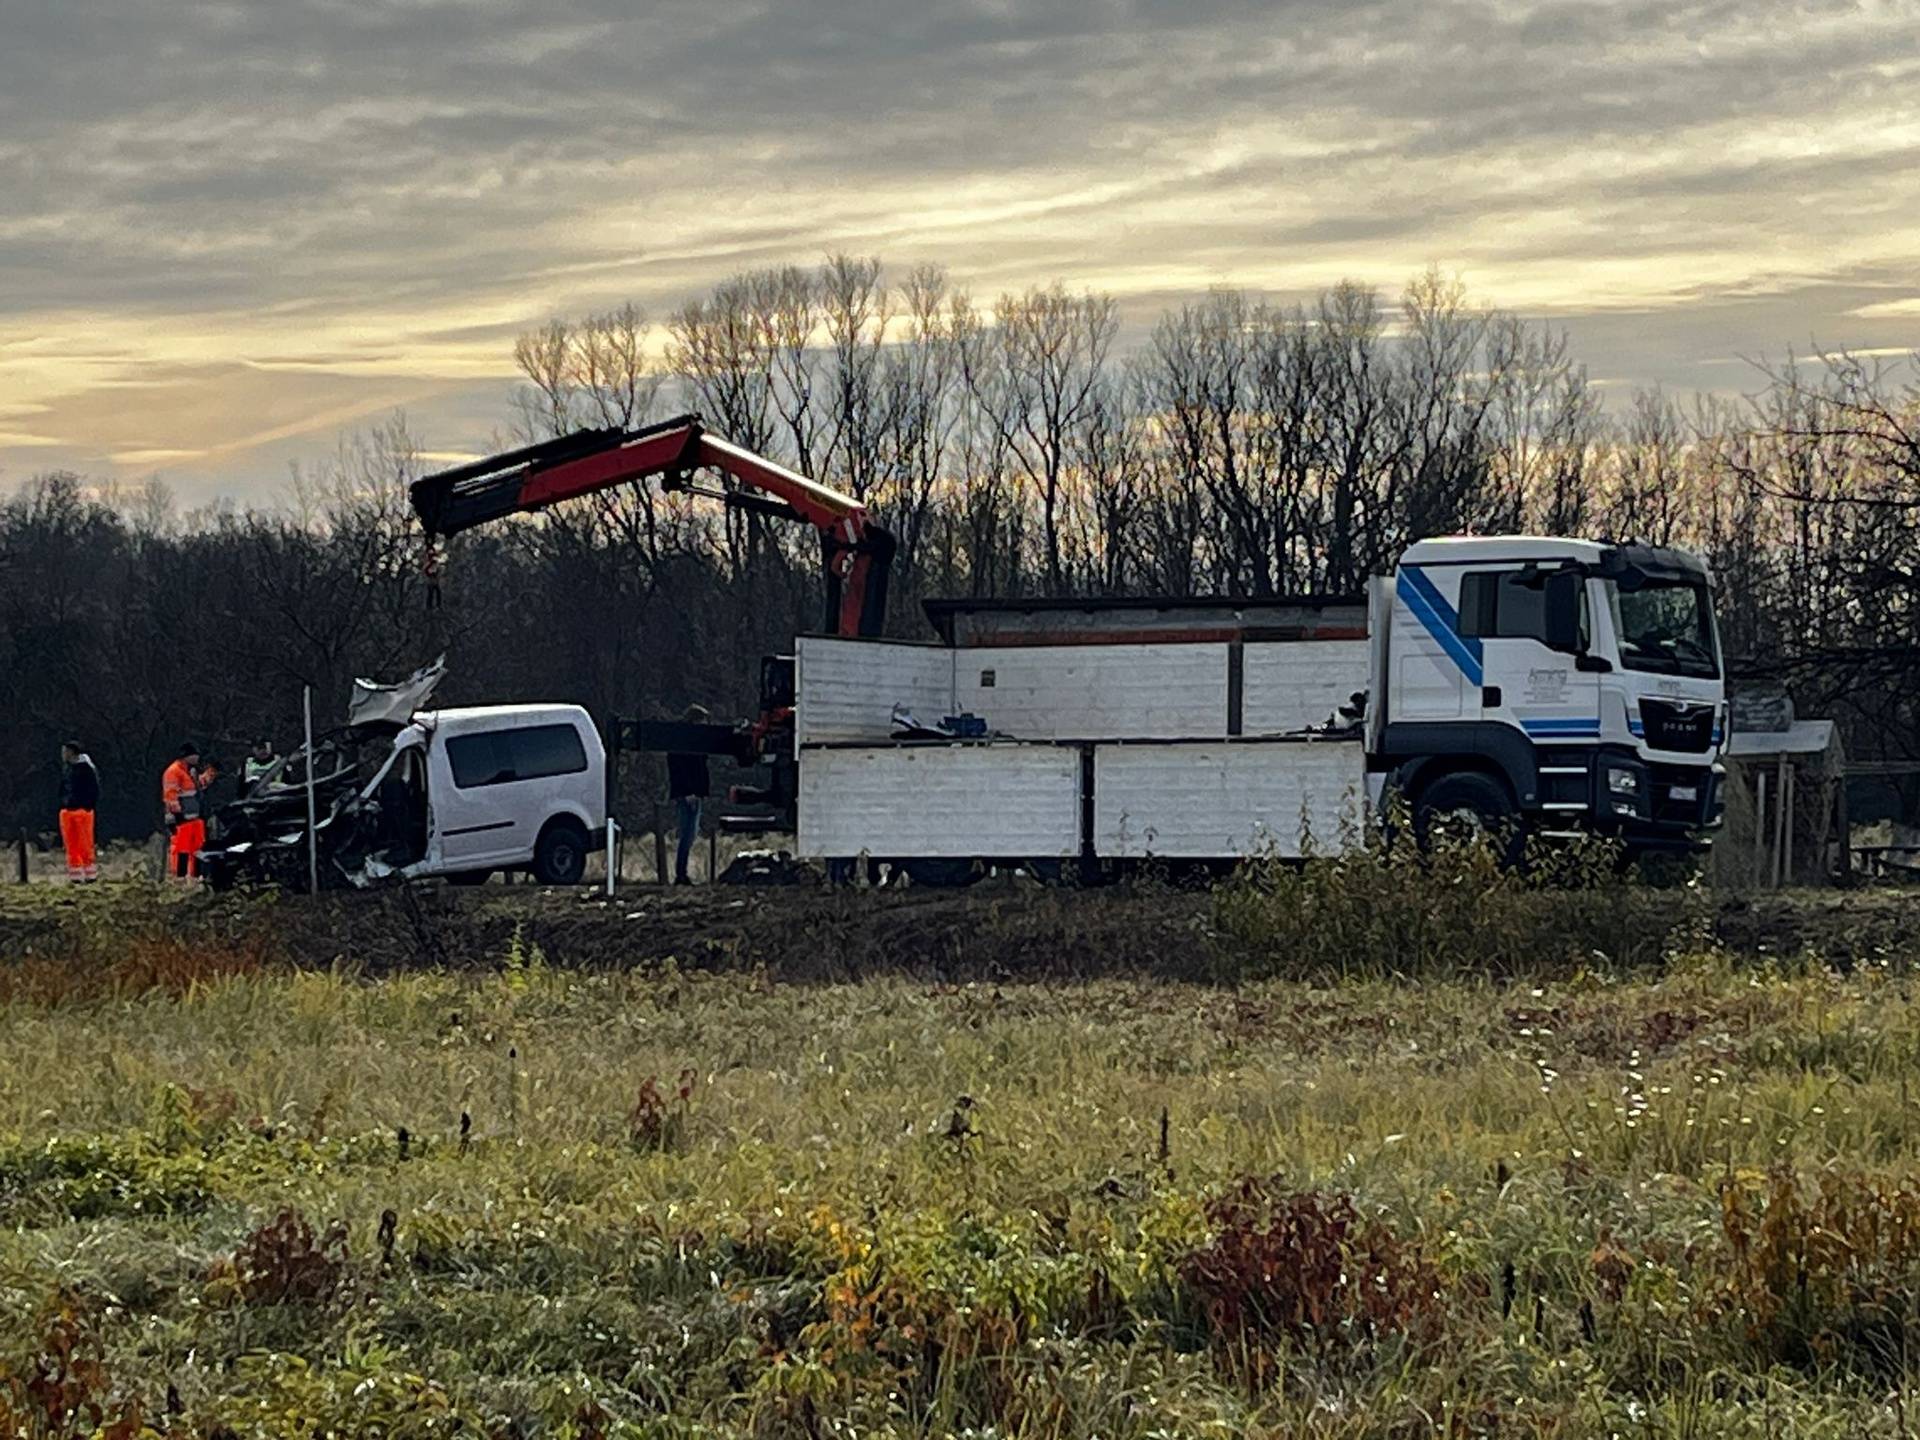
pixel 1665 626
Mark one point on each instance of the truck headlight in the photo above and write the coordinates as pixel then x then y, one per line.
pixel 1623 782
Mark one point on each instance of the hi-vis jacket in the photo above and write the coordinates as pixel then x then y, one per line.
pixel 180 791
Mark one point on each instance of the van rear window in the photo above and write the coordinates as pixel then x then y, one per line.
pixel 496 757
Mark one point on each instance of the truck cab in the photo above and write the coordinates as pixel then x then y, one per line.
pixel 1574 685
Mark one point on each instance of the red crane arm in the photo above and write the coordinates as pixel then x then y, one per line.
pixel 857 551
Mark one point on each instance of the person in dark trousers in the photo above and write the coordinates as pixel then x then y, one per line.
pixel 79 798
pixel 687 783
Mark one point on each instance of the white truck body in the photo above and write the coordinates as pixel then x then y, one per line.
pixel 1541 666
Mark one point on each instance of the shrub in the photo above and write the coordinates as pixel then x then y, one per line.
pixel 1823 1273
pixel 1298 1270
pixel 657 1122
pixel 64 1389
pixel 284 1262
pixel 1387 906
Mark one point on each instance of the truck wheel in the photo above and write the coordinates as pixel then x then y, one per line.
pixel 560 855
pixel 1465 805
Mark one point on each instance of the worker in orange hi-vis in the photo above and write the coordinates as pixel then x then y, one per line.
pixel 79 796
pixel 183 788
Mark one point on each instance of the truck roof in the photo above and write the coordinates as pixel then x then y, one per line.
pixel 1617 556
pixel 1502 547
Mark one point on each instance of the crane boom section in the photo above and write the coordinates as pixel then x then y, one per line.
pixel 857 552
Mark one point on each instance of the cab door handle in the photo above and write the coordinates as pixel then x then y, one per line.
pixel 1490 697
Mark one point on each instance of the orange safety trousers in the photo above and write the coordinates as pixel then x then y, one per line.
pixel 188 837
pixel 76 832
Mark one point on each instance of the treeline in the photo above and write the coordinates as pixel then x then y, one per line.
pixel 1015 448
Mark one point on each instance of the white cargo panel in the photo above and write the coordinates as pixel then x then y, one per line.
pixel 1215 801
pixel 1291 684
pixel 940 801
pixel 846 689
pixel 1095 692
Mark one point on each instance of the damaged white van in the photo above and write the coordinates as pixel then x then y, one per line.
pixel 458 794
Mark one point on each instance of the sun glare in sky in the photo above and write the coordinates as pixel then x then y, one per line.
pixel 231 232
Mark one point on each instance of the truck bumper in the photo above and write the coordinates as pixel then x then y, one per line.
pixel 1651 806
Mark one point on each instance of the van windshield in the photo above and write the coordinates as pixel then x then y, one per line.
pixel 1665 626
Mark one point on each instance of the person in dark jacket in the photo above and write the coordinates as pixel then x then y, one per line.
pixel 687 784
pixel 79 798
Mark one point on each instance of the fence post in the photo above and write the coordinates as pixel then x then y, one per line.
pixel 659 848
pixel 22 845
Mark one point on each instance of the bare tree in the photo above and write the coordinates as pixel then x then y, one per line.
pixel 1032 374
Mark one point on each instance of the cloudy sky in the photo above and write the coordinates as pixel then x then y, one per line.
pixel 231 230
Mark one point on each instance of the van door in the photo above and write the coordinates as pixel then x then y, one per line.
pixel 1525 682
pixel 475 819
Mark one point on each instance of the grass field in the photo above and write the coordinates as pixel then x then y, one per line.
pixel 1305 1163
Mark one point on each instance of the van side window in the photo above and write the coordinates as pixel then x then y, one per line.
pixel 495 757
pixel 1495 605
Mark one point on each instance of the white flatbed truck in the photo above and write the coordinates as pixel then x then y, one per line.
pixel 1554 686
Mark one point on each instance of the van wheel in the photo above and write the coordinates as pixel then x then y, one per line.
pixel 560 856
pixel 1465 806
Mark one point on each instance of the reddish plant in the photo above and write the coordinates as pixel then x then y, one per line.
pixel 65 1390
pixel 283 1262
pixel 658 1121
pixel 1299 1270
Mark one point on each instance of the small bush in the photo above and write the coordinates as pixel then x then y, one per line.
pixel 64 1390
pixel 284 1263
pixel 1822 1274
pixel 1302 1271
pixel 658 1121
pixel 1387 906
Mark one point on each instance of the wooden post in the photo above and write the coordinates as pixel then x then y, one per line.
pixel 1786 864
pixel 313 823
pixel 713 853
pixel 1844 827
pixel 1779 817
pixel 1759 829
pixel 659 848
pixel 22 843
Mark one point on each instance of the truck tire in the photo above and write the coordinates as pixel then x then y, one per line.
pixel 560 854
pixel 1468 803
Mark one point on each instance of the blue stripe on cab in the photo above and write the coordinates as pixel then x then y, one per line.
pixel 1562 727
pixel 1431 609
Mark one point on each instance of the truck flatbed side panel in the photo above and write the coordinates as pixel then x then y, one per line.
pixel 846 689
pixel 940 801
pixel 1078 692
pixel 1291 685
pixel 1214 801
pixel 1134 619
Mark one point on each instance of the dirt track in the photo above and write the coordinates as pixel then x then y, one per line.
pixel 800 933
pixel 993 930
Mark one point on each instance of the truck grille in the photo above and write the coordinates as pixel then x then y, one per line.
pixel 1672 726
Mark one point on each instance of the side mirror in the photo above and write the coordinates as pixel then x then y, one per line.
pixel 1563 611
